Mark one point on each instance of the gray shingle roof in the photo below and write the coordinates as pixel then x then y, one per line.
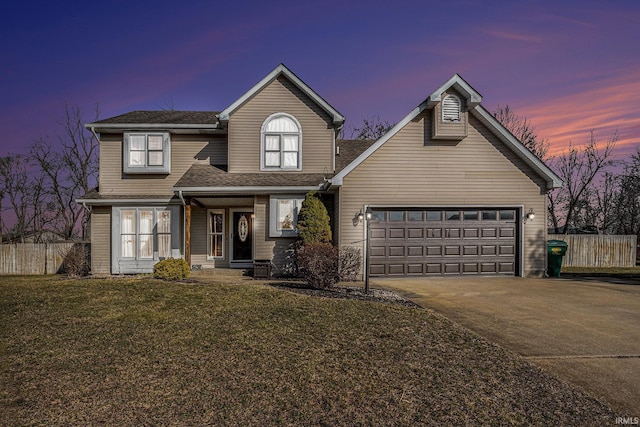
pixel 164 117
pixel 349 150
pixel 201 175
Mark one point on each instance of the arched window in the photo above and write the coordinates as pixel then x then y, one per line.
pixel 281 143
pixel 451 109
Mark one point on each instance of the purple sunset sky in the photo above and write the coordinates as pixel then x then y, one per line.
pixel 569 66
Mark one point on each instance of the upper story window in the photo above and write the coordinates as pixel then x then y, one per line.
pixel 281 143
pixel 146 152
pixel 451 107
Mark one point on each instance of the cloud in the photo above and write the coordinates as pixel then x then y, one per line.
pixel 604 106
pixel 521 37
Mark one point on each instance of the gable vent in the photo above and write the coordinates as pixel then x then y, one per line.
pixel 451 109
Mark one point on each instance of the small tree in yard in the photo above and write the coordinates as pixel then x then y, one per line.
pixel 313 221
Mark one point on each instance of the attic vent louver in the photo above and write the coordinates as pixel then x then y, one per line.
pixel 451 109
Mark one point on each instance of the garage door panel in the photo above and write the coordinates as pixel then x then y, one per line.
pixel 489 267
pixel 434 268
pixel 377 251
pixel 507 267
pixel 444 242
pixel 377 233
pixel 489 233
pixel 489 250
pixel 507 250
pixel 470 268
pixel 451 268
pixel 396 251
pixel 415 251
pixel 377 270
pixel 415 269
pixel 451 250
pixel 470 250
pixel 395 269
pixel 415 233
pixel 470 233
pixel 434 250
pixel 434 233
pixel 397 233
pixel 508 232
pixel 452 233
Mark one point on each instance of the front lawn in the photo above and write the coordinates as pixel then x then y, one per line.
pixel 145 352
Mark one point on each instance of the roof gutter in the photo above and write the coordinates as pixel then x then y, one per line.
pixel 204 191
pixel 162 126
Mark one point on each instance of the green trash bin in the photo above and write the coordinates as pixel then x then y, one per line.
pixel 556 250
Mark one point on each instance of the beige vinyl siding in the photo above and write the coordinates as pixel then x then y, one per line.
pixel 413 170
pixel 185 151
pixel 280 96
pixel 200 236
pixel 101 240
pixel 277 249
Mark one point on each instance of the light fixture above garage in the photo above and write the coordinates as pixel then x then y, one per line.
pixel 529 216
pixel 360 216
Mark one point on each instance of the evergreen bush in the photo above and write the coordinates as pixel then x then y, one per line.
pixel 171 269
pixel 313 221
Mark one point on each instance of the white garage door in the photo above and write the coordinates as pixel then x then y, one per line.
pixel 421 242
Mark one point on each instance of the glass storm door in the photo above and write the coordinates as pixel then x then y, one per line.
pixel 242 236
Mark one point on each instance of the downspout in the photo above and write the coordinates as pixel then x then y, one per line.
pixel 184 222
pixel 88 210
pixel 93 131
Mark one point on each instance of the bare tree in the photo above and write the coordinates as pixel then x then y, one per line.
pixel 626 201
pixel 579 168
pixel 70 169
pixel 15 181
pixel 523 130
pixel 371 128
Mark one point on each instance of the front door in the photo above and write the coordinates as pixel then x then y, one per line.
pixel 242 236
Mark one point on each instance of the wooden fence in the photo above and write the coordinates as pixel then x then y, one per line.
pixel 598 250
pixel 36 258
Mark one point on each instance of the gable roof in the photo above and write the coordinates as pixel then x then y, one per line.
pixel 338 119
pixel 473 101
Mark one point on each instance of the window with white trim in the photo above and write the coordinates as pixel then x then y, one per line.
pixel 283 215
pixel 451 108
pixel 146 152
pixel 281 143
pixel 145 233
pixel 216 234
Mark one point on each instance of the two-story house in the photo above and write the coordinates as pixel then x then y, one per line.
pixel 448 189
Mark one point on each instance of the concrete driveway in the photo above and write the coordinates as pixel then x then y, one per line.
pixel 586 332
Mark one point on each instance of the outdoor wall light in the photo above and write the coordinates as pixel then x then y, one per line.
pixel 529 216
pixel 360 216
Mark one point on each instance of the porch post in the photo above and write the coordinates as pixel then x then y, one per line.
pixel 187 234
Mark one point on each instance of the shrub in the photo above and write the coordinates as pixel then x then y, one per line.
pixel 171 269
pixel 349 262
pixel 313 221
pixel 318 265
pixel 76 261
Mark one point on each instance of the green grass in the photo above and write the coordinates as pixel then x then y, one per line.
pixel 145 352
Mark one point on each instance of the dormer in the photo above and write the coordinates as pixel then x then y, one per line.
pixel 450 104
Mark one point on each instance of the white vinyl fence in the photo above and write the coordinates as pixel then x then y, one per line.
pixel 598 250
